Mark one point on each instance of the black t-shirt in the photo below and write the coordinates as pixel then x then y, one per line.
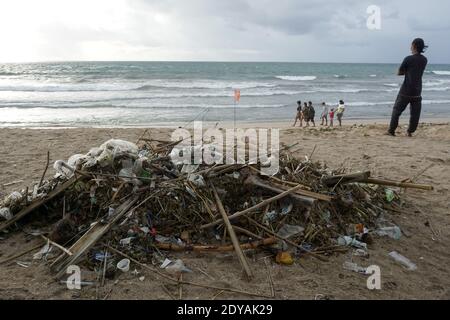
pixel 413 66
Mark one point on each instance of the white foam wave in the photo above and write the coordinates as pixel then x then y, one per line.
pixel 441 72
pixel 297 78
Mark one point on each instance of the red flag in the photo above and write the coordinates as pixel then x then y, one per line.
pixel 237 95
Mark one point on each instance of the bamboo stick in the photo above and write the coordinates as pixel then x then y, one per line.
pixel 57 245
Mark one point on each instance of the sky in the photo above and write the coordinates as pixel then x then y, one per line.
pixel 220 30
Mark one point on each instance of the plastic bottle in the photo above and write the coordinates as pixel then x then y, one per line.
pixel 391 232
pixel 351 266
pixel 403 260
pixel 349 241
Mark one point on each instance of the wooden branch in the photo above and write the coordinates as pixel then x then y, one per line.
pixel 214 248
pixel 251 209
pixel 45 170
pixel 345 178
pixel 234 239
pixel 398 184
pixel 53 243
pixel 306 193
pixel 254 180
pixel 246 232
pixel 290 183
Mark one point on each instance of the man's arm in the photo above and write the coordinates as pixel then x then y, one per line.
pixel 402 70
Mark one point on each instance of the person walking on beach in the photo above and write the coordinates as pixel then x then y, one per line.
pixel 324 116
pixel 340 112
pixel 312 113
pixel 305 114
pixel 299 115
pixel 410 93
pixel 331 117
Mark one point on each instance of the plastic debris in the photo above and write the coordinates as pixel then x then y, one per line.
pixel 287 231
pixel 43 252
pixel 390 195
pixel 403 260
pixel 124 265
pixel 349 241
pixel 284 258
pixel 351 266
pixel 176 266
pixel 5 213
pixel 391 232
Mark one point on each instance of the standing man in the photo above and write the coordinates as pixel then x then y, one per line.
pixel 412 68
pixel 312 113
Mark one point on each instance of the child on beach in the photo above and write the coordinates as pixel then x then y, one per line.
pixel 299 115
pixel 340 112
pixel 324 116
pixel 331 117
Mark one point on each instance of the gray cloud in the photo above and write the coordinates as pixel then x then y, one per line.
pixel 285 30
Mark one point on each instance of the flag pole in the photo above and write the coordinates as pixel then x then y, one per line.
pixel 234 110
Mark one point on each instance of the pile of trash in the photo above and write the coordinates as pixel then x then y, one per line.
pixel 131 200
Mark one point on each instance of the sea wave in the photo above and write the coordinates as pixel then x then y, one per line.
pixel 143 106
pixel 394 85
pixel 204 85
pixel 80 86
pixel 441 72
pixel 297 78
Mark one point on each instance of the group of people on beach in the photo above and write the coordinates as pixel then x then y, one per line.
pixel 307 113
pixel 412 69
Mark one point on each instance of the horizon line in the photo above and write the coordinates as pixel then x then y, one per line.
pixel 208 61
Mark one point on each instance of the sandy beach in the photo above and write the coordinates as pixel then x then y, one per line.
pixel 425 219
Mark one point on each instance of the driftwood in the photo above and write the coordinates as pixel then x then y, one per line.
pixel 345 178
pixel 307 201
pixel 213 248
pixel 256 207
pixel 234 239
pixel 37 203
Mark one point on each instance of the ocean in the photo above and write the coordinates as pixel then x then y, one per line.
pixel 106 94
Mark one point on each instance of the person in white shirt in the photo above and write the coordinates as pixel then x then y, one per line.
pixel 340 112
pixel 324 115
